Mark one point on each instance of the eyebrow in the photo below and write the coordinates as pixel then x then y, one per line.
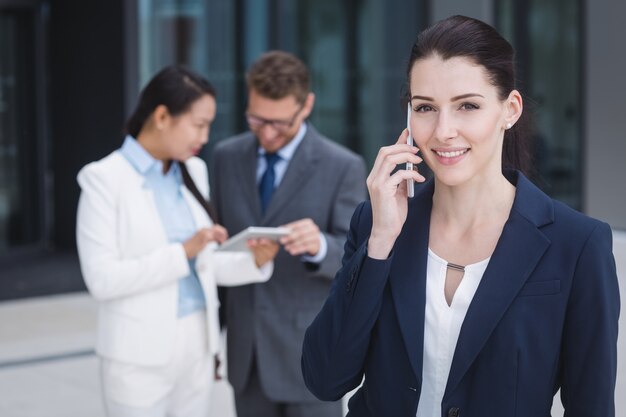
pixel 268 120
pixel 456 98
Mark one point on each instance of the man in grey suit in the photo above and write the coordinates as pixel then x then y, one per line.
pixel 282 173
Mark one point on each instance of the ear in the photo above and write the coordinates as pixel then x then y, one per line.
pixel 514 108
pixel 308 105
pixel 161 116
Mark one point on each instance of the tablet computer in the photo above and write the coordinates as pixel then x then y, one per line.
pixel 237 243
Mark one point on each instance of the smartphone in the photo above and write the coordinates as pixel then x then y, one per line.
pixel 410 189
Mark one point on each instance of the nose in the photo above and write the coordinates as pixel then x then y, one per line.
pixel 446 127
pixel 204 136
pixel 267 131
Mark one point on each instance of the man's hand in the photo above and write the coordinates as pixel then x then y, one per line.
pixel 303 239
pixel 264 250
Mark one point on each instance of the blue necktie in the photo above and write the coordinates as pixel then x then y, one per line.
pixel 266 186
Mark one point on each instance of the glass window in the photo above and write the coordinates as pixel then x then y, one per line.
pixel 199 34
pixel 20 202
pixel 356 51
pixel 547 36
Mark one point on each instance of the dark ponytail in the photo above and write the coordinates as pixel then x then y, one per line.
pixel 518 150
pixel 191 186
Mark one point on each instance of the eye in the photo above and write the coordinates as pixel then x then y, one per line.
pixel 423 108
pixel 469 106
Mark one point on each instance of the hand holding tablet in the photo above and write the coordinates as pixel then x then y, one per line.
pixel 238 243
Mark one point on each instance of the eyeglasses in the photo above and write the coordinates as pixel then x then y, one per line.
pixel 281 126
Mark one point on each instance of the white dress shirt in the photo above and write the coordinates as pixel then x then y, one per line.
pixel 442 327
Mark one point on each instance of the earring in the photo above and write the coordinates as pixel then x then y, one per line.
pixel 508 126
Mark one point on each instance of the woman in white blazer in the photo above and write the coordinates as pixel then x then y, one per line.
pixel 146 245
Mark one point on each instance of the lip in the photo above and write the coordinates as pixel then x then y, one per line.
pixel 195 151
pixel 450 156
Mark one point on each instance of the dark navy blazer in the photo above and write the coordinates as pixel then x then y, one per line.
pixel 544 317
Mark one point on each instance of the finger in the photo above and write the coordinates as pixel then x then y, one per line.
pixel 403 158
pixel 260 243
pixel 298 229
pixel 387 159
pixel 296 224
pixel 220 235
pixel 402 175
pixel 267 251
pixel 309 244
pixel 205 235
pixel 300 235
pixel 222 229
pixel 302 227
pixel 403 137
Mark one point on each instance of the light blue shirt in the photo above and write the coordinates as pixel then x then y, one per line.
pixel 176 217
pixel 280 167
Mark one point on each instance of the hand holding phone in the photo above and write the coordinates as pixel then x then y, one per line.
pixel 410 189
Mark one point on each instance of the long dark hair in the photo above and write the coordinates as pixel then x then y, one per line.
pixel 175 87
pixel 461 36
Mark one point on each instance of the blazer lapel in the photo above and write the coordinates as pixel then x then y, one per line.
pixel 147 205
pixel 298 173
pixel 518 251
pixel 408 275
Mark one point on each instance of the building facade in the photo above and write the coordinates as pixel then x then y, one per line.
pixel 70 72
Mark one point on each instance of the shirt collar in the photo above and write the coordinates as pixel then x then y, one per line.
pixel 142 161
pixel 287 151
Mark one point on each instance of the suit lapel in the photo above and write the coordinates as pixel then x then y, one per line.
pixel 517 253
pixel 298 172
pixel 246 171
pixel 148 206
pixel 408 275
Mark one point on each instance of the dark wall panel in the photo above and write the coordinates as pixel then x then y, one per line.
pixel 86 47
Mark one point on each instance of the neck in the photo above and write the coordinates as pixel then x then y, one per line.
pixel 150 142
pixel 467 205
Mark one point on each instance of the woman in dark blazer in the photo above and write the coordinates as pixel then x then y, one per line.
pixel 480 296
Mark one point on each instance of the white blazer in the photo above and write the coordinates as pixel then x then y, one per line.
pixel 131 268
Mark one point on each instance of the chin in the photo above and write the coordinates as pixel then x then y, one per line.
pixel 452 178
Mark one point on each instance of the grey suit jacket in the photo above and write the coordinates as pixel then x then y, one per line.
pixel 324 182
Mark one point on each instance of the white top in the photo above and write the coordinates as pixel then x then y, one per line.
pixel 442 327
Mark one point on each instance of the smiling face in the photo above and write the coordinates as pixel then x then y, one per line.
pixel 186 133
pixel 458 119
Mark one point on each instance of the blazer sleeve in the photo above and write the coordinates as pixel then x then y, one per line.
pixel 590 336
pixel 336 343
pixel 236 268
pixel 350 192
pixel 106 272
